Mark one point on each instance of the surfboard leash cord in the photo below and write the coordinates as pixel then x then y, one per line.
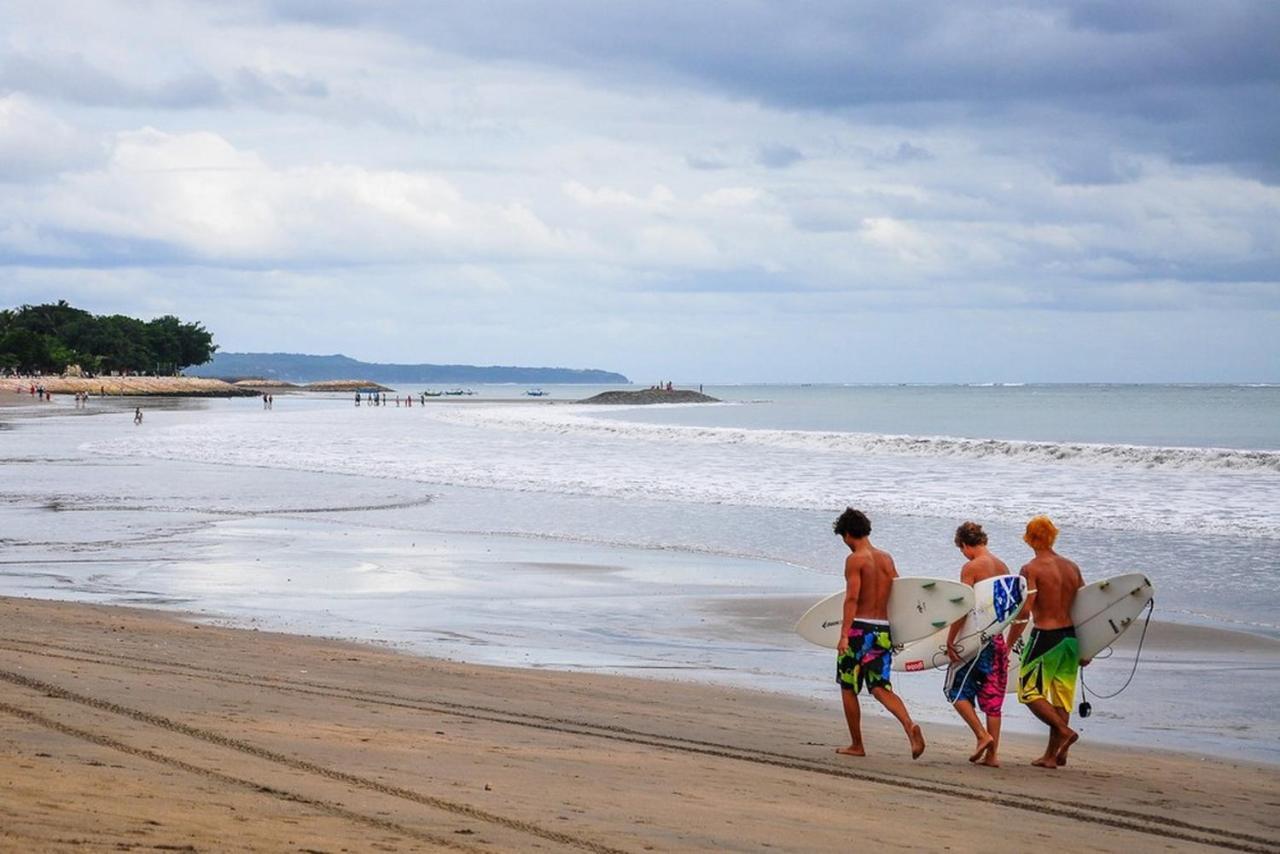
pixel 1084 703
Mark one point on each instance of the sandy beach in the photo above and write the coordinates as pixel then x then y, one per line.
pixel 123 729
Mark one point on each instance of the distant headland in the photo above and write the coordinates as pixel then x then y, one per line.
pixel 301 368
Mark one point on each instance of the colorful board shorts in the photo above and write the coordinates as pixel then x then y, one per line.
pixel 1049 667
pixel 982 681
pixel 868 660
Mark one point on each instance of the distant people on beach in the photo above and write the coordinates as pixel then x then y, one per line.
pixel 864 655
pixel 983 679
pixel 137 415
pixel 1051 660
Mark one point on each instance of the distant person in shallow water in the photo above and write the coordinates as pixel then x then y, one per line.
pixel 137 415
pixel 1051 659
pixel 864 655
pixel 983 679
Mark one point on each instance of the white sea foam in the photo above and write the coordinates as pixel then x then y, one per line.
pixel 577 419
pixel 566 450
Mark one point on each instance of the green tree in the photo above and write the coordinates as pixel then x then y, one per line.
pixel 28 351
pixel 52 336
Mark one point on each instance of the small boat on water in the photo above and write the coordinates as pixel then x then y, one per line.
pixel 433 393
pixel 536 392
pixel 457 392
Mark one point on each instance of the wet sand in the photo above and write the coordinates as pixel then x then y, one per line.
pixel 123 729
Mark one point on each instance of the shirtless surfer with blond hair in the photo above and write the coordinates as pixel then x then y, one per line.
pixel 1051 659
pixel 982 681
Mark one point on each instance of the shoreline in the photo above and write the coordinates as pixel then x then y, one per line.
pixel 402 561
pixel 120 725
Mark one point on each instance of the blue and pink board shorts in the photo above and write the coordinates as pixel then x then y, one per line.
pixel 982 681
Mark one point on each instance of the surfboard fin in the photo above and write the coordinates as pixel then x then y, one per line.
pixel 928 585
pixel 957 600
pixel 937 624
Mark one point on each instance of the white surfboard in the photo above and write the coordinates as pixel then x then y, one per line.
pixel 918 607
pixel 996 601
pixel 1102 612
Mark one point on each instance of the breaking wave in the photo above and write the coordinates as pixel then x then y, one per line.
pixel 1126 456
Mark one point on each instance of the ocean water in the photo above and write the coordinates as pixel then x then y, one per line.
pixel 539 532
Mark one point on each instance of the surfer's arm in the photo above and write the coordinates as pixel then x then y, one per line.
pixel 951 638
pixel 966 577
pixel 852 589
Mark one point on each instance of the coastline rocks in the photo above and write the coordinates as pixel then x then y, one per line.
pixel 260 384
pixel 345 385
pixel 651 395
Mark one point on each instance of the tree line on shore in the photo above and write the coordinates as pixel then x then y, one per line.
pixel 53 337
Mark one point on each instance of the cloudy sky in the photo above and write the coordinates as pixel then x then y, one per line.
pixel 701 191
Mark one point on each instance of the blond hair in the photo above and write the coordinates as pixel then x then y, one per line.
pixel 1041 533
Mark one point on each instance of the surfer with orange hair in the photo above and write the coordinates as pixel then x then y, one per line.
pixel 1041 533
pixel 1051 659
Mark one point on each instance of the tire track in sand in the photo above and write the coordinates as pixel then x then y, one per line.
pixel 53 691
pixel 239 782
pixel 1162 826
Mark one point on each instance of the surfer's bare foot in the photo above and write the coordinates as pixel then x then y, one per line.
pixel 1045 762
pixel 1061 758
pixel 851 750
pixel 917 741
pixel 984 744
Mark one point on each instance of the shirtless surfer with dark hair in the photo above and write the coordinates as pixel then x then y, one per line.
pixel 864 655
pixel 981 681
pixel 1051 659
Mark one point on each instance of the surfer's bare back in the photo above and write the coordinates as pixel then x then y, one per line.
pixel 864 655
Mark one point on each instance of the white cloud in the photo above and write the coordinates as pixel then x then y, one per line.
pixel 36 144
pixel 201 197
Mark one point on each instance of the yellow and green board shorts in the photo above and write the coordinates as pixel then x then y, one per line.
pixel 1049 667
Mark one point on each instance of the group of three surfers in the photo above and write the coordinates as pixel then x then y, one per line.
pixel 1050 659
